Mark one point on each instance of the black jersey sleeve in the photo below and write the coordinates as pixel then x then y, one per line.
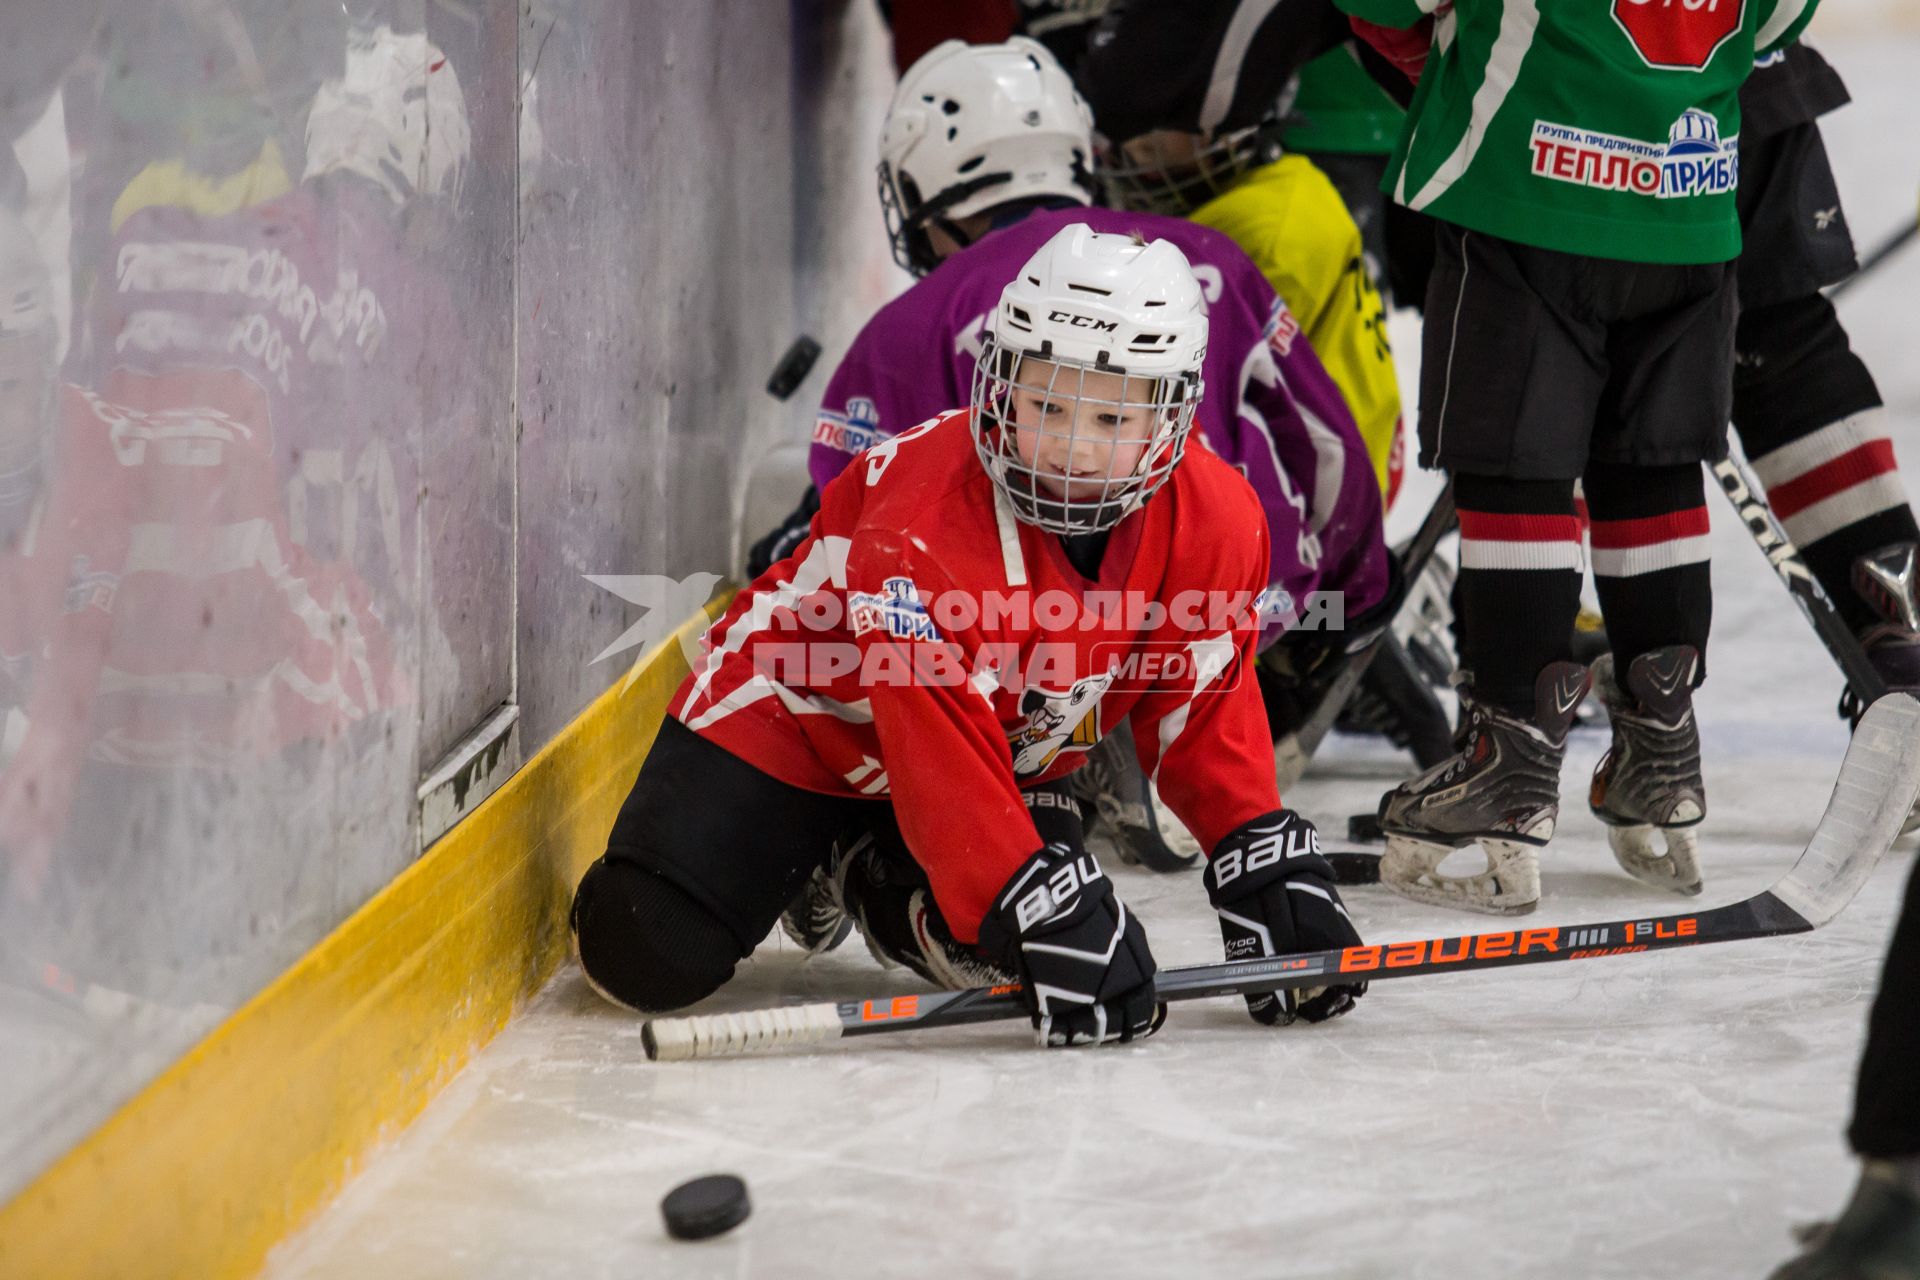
pixel 1792 87
pixel 1199 65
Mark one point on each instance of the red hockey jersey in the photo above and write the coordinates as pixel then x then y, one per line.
pixel 922 644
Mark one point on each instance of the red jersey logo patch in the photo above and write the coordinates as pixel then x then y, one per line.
pixel 1680 35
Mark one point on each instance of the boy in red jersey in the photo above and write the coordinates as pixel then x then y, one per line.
pixel 882 725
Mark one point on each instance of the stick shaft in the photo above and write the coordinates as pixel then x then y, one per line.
pixel 1291 753
pixel 1886 249
pixel 1744 491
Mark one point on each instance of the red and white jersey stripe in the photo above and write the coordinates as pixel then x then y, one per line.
pixel 1825 481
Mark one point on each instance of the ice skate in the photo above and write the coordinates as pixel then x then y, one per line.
pixel 1647 787
pixel 817 920
pixel 1500 790
pixel 1877 1235
pixel 1115 798
pixel 1889 581
pixel 887 896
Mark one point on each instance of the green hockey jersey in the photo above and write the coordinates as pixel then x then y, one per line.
pixel 1601 127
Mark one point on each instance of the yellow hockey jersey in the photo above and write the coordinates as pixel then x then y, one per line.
pixel 1288 218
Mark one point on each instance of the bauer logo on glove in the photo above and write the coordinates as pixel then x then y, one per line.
pixel 1056 893
pixel 1273 890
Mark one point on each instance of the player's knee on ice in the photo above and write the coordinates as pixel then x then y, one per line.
pixel 645 942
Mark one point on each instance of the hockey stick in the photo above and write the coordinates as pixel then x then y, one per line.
pixel 1878 783
pixel 1886 249
pixel 1291 753
pixel 1744 491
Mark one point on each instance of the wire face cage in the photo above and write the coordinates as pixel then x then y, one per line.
pixel 1176 173
pixel 1077 447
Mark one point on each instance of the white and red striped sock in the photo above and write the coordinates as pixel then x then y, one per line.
pixel 1833 477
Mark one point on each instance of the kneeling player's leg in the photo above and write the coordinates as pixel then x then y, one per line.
pixel 705 854
pixel 887 891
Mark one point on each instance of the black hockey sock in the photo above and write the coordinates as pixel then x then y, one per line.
pixel 1650 557
pixel 1809 416
pixel 1519 585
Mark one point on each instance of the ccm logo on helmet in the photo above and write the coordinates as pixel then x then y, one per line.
pixel 1044 899
pixel 1083 322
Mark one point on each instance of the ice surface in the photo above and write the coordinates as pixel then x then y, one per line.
pixel 1669 1114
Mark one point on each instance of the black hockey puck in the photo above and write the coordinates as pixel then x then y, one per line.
pixel 1365 828
pixel 705 1207
pixel 793 368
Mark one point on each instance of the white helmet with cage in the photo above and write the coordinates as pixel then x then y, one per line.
pixel 1086 388
pixel 974 126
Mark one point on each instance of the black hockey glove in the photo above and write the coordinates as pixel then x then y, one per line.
pixel 778 545
pixel 1274 892
pixel 1085 971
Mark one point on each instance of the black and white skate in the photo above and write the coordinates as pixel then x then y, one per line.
pixel 887 893
pixel 1499 790
pixel 1647 788
pixel 1889 581
pixel 816 919
pixel 1115 799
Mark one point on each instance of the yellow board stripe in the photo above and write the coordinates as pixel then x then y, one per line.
pixel 263 1122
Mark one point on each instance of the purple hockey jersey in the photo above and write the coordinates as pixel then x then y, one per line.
pixel 1270 409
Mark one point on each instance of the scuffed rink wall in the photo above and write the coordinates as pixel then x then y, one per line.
pixel 337 343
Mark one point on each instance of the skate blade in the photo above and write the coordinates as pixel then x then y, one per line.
pixel 1674 867
pixel 1510 886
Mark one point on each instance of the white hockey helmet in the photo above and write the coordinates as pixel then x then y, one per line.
pixel 974 126
pixel 1087 384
